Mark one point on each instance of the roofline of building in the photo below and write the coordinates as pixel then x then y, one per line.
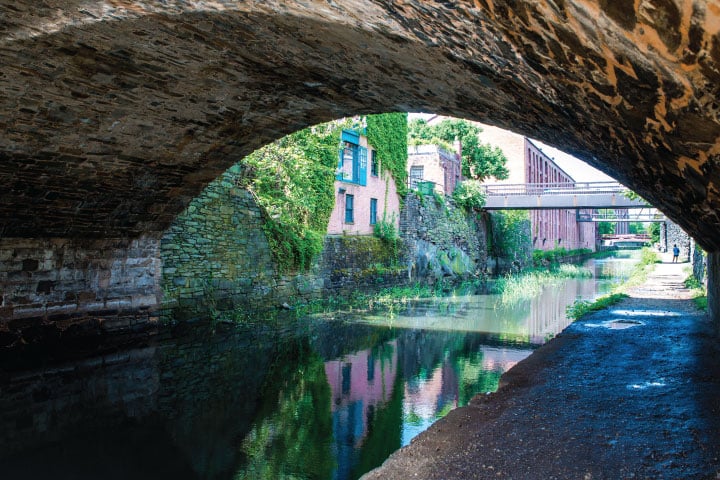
pixel 552 160
pixel 438 149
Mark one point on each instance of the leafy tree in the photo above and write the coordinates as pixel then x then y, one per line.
pixel 479 160
pixel 636 228
pixel 654 232
pixel 469 194
pixel 606 228
pixel 292 179
pixel 509 236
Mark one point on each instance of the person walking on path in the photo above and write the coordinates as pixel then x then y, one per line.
pixel 676 253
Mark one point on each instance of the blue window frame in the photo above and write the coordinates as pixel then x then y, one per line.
pixel 352 164
pixel 373 211
pixel 374 167
pixel 349 208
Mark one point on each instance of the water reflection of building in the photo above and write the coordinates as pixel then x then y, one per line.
pixel 359 383
pixel 547 310
pixel 502 359
pixel 430 395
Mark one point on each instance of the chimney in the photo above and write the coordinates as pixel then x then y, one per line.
pixel 458 146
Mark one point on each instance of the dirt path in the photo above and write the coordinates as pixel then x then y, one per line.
pixel 594 403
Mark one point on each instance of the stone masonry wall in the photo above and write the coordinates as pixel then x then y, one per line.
pixel 676 236
pixel 216 257
pixel 50 284
pixel 699 263
pixel 216 250
pixel 441 240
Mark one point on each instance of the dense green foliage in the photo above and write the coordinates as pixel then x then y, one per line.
pixel 541 257
pixel 509 236
pixel 479 160
pixel 583 307
pixel 529 283
pixel 606 228
pixel 636 228
pixel 470 195
pixel 387 134
pixel 292 179
pixel 654 231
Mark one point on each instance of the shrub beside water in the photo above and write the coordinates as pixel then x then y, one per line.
pixel 648 259
pixel 530 283
pixel 697 290
pixel 583 307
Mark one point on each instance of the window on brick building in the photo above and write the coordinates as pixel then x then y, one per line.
pixel 349 208
pixel 352 165
pixel 373 211
pixel 416 175
pixel 374 167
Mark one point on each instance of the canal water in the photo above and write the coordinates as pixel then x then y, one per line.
pixel 320 398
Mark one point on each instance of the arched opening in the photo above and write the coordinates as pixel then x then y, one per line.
pixel 115 115
pixel 134 111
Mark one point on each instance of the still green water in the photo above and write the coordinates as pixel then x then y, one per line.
pixel 321 398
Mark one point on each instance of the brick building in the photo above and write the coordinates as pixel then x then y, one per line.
pixel 528 164
pixel 364 193
pixel 431 163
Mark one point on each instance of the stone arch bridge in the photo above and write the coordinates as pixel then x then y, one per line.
pixel 114 114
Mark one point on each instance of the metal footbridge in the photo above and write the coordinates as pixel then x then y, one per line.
pixel 556 196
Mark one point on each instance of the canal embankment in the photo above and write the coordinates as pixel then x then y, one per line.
pixel 628 392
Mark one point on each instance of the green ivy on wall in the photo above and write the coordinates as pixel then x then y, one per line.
pixel 387 134
pixel 293 181
pixel 509 235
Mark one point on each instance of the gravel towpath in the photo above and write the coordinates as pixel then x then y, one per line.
pixel 629 392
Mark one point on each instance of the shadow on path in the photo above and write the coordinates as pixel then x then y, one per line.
pixel 629 392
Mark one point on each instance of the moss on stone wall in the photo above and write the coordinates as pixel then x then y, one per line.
pixel 441 239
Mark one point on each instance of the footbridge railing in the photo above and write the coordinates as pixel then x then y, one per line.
pixel 529 196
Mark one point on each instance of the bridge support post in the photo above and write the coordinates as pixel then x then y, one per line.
pixel 713 288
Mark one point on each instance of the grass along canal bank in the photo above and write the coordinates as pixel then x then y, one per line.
pixel 641 401
pixel 648 260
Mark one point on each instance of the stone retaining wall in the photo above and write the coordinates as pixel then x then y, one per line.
pixel 49 285
pixel 441 240
pixel 671 234
pixel 216 257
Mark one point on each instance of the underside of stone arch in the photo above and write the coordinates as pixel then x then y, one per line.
pixel 114 114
